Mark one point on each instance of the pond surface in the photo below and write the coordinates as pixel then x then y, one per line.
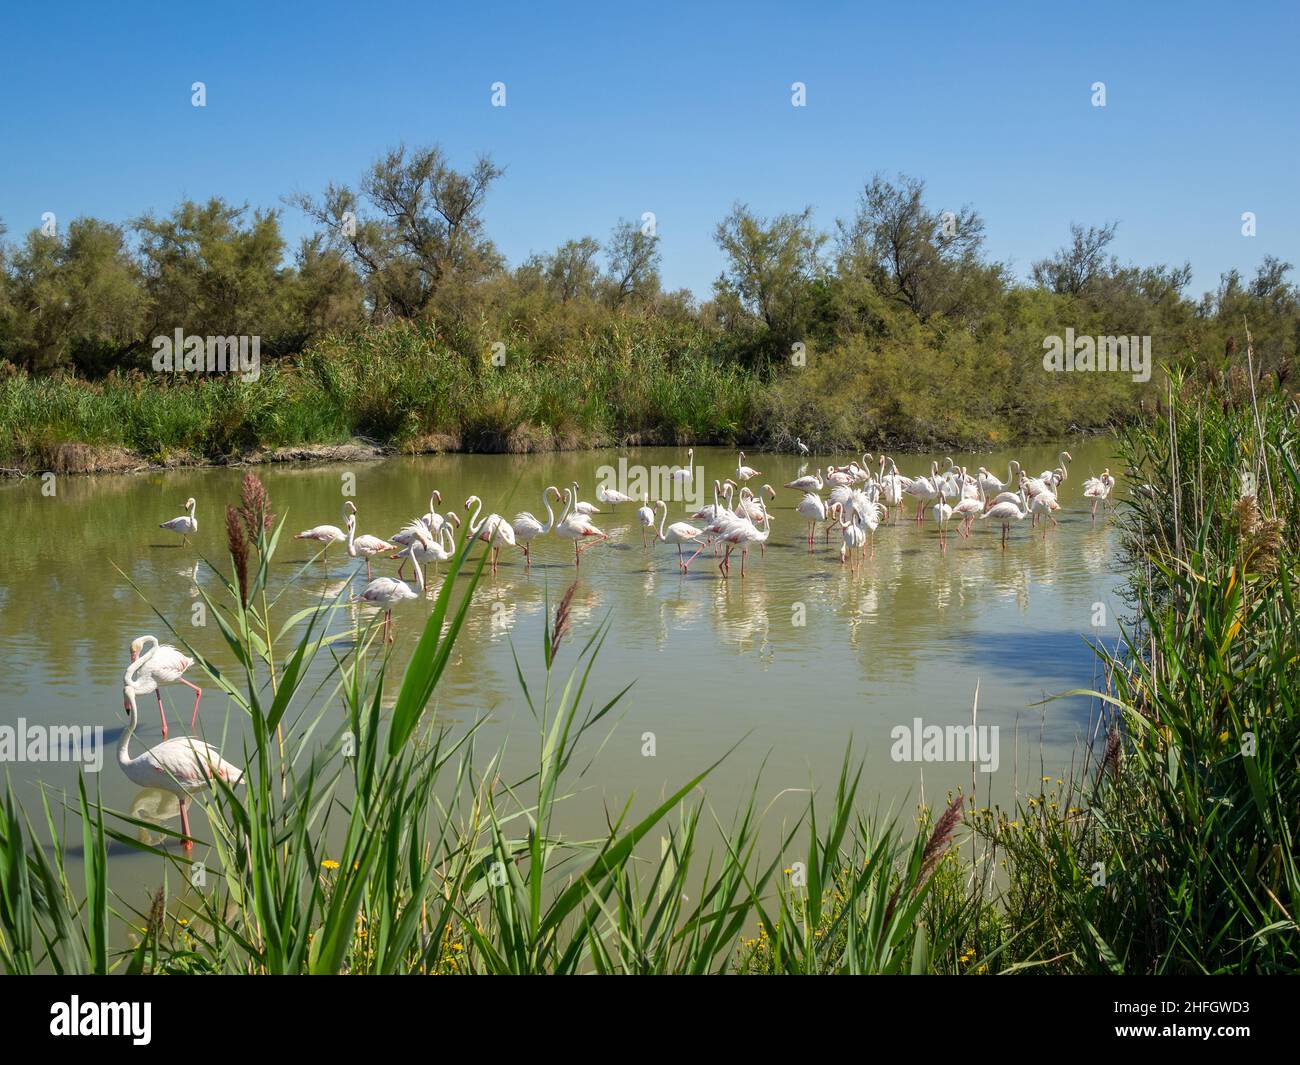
pixel 908 634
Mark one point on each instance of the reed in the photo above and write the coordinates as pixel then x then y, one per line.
pixel 1174 849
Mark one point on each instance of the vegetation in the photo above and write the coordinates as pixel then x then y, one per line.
pixel 398 319
pixel 1176 851
pixel 393 846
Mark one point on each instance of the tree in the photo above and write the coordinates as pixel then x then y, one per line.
pixel 633 263
pixel 571 271
pixel 770 263
pixel 72 299
pixel 425 227
pixel 1080 264
pixel 918 256
pixel 215 269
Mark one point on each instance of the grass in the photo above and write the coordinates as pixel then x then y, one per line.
pixel 398 385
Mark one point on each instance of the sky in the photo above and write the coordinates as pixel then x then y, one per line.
pixel 681 110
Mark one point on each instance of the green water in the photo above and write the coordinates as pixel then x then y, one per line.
pixel 908 634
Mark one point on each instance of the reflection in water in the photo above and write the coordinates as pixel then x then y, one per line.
pixel 800 656
pixel 156 806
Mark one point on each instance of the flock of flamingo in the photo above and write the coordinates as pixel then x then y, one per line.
pixel 859 498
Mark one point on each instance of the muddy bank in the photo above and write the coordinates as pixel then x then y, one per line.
pixel 75 458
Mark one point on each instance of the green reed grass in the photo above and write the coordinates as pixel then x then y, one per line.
pixel 1175 850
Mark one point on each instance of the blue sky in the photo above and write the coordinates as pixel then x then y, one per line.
pixel 678 109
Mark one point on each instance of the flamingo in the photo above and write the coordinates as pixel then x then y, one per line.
pixel 439 550
pixel 576 527
pixel 181 766
pixel 810 482
pixel 924 490
pixel 527 528
pixel 1062 467
pixel 493 530
pixel 580 507
pixel 1043 504
pixel 431 517
pixel 187 524
pixel 838 478
pixel 364 546
pixel 852 536
pixel 868 513
pixel 743 472
pixel 646 517
pixel 744 532
pixel 813 508
pixel 323 534
pixel 1098 489
pixel 712 511
pixel 751 507
pixel 432 521
pixel 970 506
pixel 943 515
pixel 992 486
pixel 386 592
pixel 894 485
pixel 684 475
pixel 1005 513
pixel 862 474
pixel 679 532
pixel 162 664
pixel 612 496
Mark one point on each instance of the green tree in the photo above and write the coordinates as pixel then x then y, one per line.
pixel 216 269
pixel 1079 265
pixel 72 299
pixel 633 264
pixel 925 259
pixel 770 264
pixel 414 228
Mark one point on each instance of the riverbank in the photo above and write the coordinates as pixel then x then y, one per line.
pixel 399 389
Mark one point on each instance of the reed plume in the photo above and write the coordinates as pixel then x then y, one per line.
pixel 238 545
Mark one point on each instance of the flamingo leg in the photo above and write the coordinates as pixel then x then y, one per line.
pixel 368 567
pixel 187 843
pixel 160 712
pixel 198 694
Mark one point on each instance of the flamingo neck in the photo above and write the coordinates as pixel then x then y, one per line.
pixel 124 741
pixel 663 518
pixel 550 513
pixel 474 523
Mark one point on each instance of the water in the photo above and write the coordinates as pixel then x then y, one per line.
pixel 908 634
